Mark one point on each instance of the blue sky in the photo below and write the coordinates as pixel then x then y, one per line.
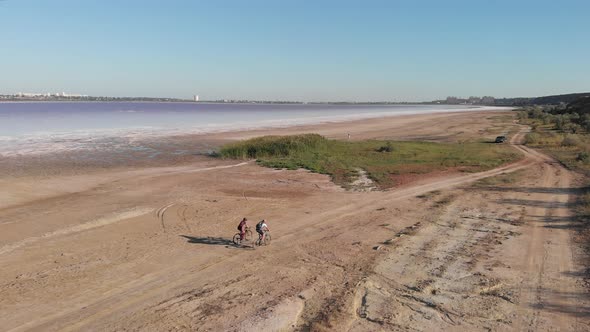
pixel 409 50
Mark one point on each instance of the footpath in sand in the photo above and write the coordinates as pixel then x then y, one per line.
pixel 150 250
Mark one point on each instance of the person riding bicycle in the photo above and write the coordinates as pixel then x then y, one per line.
pixel 242 228
pixel 261 228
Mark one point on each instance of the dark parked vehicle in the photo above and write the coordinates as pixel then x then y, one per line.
pixel 500 139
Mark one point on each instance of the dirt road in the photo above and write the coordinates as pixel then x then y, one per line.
pixel 496 258
pixel 436 255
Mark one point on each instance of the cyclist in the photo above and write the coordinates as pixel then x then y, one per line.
pixel 261 228
pixel 242 228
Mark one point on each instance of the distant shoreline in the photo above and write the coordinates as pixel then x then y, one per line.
pixel 241 103
pixel 338 103
pixel 449 101
pixel 237 103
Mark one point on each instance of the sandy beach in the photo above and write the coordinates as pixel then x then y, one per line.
pixel 133 242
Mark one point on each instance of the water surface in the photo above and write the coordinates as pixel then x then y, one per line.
pixel 47 127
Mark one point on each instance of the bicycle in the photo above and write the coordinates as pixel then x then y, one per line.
pixel 266 239
pixel 247 237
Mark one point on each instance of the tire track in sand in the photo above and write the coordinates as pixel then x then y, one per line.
pixel 160 214
pixel 102 221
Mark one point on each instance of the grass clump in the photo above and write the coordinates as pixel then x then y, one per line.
pixel 274 146
pixel 382 162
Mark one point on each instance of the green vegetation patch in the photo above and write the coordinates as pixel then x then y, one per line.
pixel 382 160
pixel 561 131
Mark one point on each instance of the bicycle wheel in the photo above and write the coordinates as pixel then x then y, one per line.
pixel 248 236
pixel 267 239
pixel 236 240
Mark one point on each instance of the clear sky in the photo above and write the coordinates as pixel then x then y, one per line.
pixel 410 50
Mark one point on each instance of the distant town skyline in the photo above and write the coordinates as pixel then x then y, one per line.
pixel 450 100
pixel 297 51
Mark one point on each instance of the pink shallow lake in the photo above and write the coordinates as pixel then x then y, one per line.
pixel 35 128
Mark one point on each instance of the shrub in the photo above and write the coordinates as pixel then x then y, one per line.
pixel 571 140
pixel 523 115
pixel 531 138
pixel 585 122
pixel 388 147
pixel 536 113
pixel 548 119
pixel 583 157
pixel 561 121
pixel 572 128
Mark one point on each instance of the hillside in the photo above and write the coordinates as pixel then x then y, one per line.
pixel 557 99
pixel 580 106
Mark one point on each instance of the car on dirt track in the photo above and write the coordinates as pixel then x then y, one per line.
pixel 500 139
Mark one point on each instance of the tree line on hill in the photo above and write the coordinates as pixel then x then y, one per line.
pixel 572 117
pixel 559 99
pixel 520 101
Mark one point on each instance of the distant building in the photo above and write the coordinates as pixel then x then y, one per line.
pixel 488 100
pixel 452 100
pixel 474 100
pixel 196 97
